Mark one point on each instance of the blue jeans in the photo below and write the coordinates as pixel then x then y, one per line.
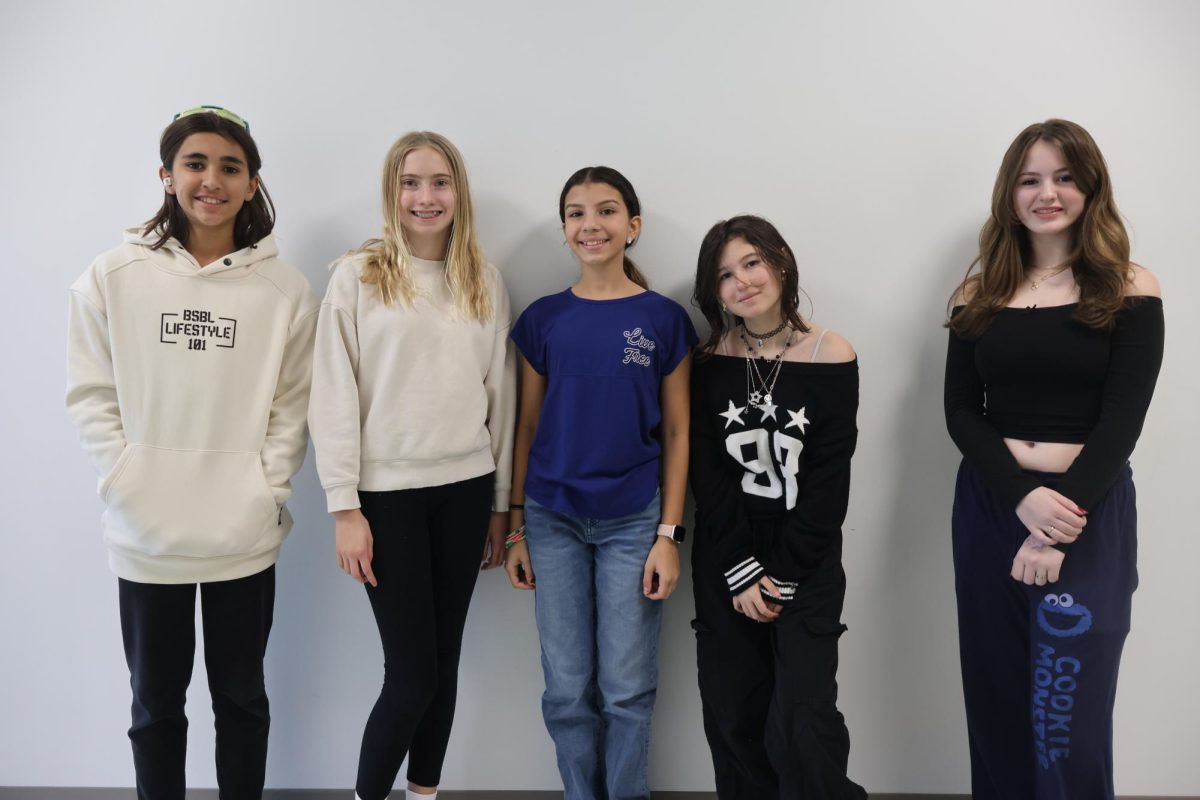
pixel 599 637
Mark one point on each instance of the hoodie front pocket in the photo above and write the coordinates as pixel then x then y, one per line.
pixel 189 503
pixel 114 474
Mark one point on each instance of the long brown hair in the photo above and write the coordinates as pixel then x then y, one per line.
pixel 771 248
pixel 1099 254
pixel 255 219
pixel 609 177
pixel 387 260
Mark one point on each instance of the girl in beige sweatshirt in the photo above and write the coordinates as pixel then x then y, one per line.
pixel 412 415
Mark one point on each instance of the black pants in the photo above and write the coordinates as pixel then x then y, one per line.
pixel 427 549
pixel 1039 663
pixel 159 630
pixel 769 695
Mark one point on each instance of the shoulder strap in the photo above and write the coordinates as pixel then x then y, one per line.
pixel 817 346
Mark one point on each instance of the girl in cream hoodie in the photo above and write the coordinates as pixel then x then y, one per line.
pixel 189 368
pixel 412 416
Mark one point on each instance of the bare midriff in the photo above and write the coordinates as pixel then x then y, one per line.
pixel 1043 456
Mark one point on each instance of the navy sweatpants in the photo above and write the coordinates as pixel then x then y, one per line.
pixel 1039 663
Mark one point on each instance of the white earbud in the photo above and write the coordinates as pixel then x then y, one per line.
pixel 167 182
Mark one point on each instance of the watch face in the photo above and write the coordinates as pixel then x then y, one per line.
pixel 678 533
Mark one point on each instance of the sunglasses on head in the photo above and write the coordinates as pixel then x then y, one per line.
pixel 223 113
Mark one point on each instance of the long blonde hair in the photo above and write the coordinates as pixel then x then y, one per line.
pixel 387 260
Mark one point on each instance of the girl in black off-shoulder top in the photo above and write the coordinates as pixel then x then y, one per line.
pixel 773 408
pixel 1055 345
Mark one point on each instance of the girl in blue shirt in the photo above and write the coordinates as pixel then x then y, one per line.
pixel 599 475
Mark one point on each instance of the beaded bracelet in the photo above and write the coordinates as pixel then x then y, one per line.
pixel 516 536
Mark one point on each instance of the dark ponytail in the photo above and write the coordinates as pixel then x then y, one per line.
pixel 609 177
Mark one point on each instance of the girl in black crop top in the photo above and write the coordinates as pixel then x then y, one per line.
pixel 1055 344
pixel 773 428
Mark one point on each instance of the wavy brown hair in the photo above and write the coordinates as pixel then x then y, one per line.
pixel 609 177
pixel 1099 256
pixel 771 248
pixel 387 260
pixel 255 219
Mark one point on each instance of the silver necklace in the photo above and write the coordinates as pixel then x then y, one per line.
pixel 760 390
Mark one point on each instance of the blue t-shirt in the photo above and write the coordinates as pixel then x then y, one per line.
pixel 597 450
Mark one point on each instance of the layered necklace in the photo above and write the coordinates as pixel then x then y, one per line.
pixel 759 388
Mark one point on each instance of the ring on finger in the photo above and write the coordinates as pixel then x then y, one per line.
pixel 1039 578
pixel 1052 530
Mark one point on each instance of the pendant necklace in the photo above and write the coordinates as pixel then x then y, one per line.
pixel 1034 284
pixel 760 390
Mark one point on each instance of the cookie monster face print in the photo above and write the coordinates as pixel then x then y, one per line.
pixel 1060 616
pixel 1057 676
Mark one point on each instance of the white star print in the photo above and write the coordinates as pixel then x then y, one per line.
pixel 798 419
pixel 768 410
pixel 734 414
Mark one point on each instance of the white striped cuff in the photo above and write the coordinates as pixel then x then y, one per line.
pixel 744 574
pixel 787 590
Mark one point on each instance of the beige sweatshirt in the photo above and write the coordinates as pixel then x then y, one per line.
pixel 189 387
pixel 406 397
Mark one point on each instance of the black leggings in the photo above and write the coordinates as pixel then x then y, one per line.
pixel 427 549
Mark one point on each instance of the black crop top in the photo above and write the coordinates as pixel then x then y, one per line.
pixel 1038 374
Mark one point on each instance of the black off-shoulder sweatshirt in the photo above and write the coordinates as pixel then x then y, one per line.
pixel 771 485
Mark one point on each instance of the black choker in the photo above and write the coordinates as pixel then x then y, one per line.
pixel 758 337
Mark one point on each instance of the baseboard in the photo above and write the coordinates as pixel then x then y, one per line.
pixel 59 793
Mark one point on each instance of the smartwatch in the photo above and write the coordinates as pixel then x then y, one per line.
pixel 673 532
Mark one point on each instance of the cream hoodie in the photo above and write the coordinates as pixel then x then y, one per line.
pixel 189 387
pixel 406 397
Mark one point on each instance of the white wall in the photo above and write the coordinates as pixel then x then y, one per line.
pixel 869 132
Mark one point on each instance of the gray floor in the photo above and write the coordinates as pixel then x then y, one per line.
pixel 53 793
